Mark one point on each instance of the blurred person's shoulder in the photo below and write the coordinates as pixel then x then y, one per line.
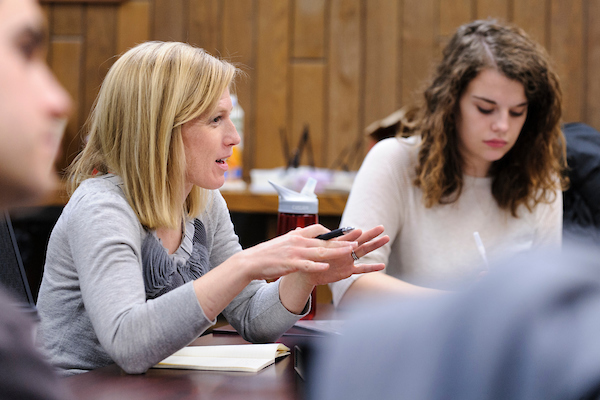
pixel 24 373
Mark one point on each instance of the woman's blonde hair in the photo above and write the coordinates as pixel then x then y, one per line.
pixel 134 129
pixel 528 173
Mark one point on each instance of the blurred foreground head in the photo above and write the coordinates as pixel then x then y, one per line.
pixel 33 106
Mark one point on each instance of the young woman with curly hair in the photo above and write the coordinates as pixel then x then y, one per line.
pixel 484 153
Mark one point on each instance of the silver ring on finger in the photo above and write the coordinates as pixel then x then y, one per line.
pixel 354 256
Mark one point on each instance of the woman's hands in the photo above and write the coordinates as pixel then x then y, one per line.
pixel 344 266
pixel 298 257
pixel 295 288
pixel 296 251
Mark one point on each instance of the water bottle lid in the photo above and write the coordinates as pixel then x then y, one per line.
pixel 291 202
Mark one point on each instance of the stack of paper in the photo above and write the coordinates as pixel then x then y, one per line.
pixel 243 357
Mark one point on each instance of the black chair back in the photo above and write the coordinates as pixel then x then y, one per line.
pixel 12 272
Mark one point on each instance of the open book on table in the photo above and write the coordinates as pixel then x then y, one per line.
pixel 243 357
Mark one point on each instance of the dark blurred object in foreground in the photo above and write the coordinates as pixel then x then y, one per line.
pixel 527 330
pixel 581 203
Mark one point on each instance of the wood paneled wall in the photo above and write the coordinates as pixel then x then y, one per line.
pixel 334 65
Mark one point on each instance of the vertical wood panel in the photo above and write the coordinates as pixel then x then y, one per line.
pixel 169 20
pixel 307 108
pixel 343 77
pixel 205 23
pixel 67 19
pixel 238 31
pixel 381 54
pixel 309 29
pixel 238 47
pixel 592 86
pixel 567 51
pixel 399 57
pixel 99 49
pixel 531 16
pixel 133 24
pixel 47 11
pixel 271 81
pixel 66 66
pixel 419 40
pixel 454 13
pixel 497 9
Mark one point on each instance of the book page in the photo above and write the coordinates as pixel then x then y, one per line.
pixel 215 363
pixel 245 357
pixel 268 350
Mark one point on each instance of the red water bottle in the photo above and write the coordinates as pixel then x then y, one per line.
pixel 298 210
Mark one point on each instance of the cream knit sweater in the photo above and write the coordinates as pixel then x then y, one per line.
pixel 435 247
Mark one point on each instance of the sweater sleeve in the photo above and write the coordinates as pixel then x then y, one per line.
pixel 105 239
pixel 377 198
pixel 256 313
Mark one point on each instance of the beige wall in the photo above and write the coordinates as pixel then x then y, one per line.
pixel 336 65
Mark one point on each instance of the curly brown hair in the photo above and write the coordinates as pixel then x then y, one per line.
pixel 532 170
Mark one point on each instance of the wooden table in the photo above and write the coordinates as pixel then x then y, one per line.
pixel 245 201
pixel 277 382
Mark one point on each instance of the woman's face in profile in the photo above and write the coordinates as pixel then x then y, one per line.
pixel 492 111
pixel 208 141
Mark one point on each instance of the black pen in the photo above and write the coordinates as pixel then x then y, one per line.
pixel 335 233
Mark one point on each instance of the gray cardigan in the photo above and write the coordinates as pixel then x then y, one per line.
pixel 92 301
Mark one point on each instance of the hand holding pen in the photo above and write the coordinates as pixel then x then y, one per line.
pixel 367 241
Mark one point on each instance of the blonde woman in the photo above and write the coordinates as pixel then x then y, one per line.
pixel 144 256
pixel 485 154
